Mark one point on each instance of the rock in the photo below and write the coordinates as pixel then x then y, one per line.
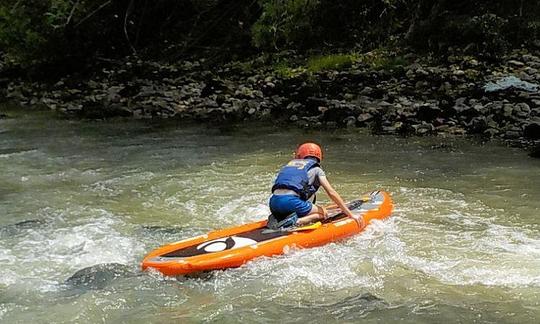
pixel 516 63
pixel 350 121
pixel 99 276
pixel 294 106
pixel 508 110
pixel 428 112
pixel 478 124
pixel 532 130
pixel 510 82
pixel 523 107
pixel 463 109
pixel 362 118
pixel 535 151
pixel 491 132
pixel 322 109
pixel 424 128
pixel 366 91
pixel 512 132
pixel 384 104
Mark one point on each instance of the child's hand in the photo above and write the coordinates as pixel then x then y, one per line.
pixel 358 219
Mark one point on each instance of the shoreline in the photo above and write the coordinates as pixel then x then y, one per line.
pixel 463 96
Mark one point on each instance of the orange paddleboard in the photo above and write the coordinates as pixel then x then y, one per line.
pixel 232 247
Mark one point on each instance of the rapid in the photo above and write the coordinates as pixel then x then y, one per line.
pixel 82 202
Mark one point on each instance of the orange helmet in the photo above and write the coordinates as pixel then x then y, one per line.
pixel 309 149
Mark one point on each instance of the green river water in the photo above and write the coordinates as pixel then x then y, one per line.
pixel 463 244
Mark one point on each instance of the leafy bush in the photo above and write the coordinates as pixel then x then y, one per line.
pixel 286 23
pixel 334 61
pixel 23 31
pixel 303 24
pixel 381 59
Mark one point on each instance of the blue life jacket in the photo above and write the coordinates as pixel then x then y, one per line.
pixel 294 176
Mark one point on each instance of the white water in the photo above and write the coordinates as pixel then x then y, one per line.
pixel 463 244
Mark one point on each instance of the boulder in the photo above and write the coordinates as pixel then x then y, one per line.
pixel 532 130
pixel 428 112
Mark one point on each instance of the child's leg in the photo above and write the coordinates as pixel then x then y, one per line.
pixel 317 213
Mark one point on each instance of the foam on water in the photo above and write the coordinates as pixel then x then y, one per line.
pixel 53 252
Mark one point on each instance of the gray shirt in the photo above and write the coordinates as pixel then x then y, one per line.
pixel 314 174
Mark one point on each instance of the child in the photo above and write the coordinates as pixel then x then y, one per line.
pixel 297 183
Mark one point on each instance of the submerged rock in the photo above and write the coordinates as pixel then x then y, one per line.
pixel 14 229
pixel 99 276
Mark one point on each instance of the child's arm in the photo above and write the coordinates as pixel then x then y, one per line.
pixel 332 193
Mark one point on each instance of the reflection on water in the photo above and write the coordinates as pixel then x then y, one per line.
pixel 463 244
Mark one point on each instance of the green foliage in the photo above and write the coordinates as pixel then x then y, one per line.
pixel 381 59
pixel 284 70
pixel 22 32
pixel 327 62
pixel 285 23
pixel 302 24
pixel 33 31
pixel 64 32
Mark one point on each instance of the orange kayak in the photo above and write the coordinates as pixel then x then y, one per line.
pixel 232 247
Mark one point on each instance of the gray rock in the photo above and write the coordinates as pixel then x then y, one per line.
pixel 350 121
pixel 478 124
pixel 516 63
pixel 424 128
pixel 523 107
pixel 491 132
pixel 364 117
pixel 508 110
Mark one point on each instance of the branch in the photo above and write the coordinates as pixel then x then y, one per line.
pixel 128 11
pixel 93 13
pixel 15 6
pixel 71 13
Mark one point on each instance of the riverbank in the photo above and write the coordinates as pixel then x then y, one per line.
pixel 386 92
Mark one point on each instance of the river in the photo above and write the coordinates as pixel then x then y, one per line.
pixel 463 244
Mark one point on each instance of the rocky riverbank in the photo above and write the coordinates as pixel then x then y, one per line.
pixel 463 95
